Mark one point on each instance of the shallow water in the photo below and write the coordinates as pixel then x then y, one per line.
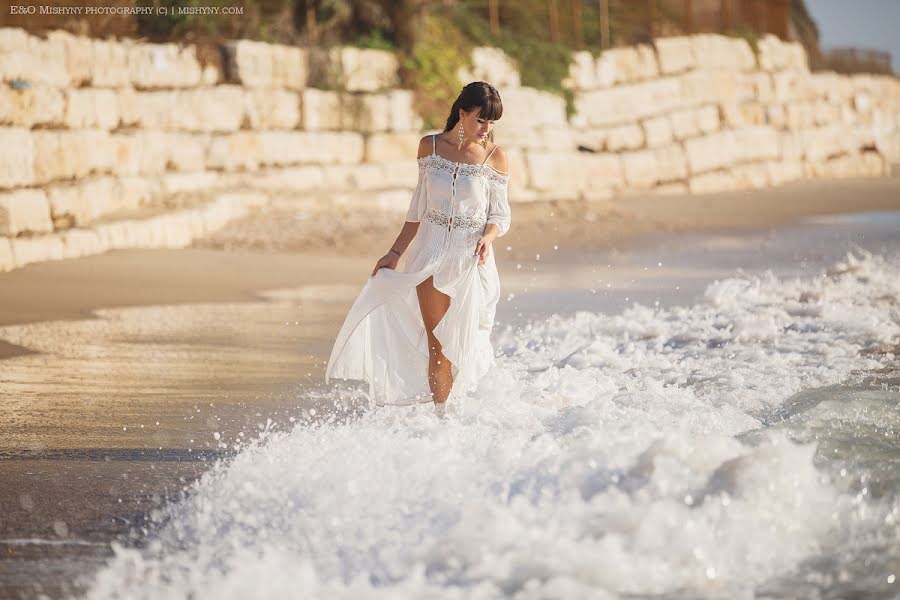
pixel 699 429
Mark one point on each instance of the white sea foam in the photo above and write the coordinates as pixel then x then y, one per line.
pixel 598 459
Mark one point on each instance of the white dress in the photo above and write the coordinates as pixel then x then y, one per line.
pixel 383 339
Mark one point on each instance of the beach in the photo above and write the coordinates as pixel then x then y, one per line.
pixel 126 376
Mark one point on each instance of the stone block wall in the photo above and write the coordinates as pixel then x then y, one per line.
pixel 113 144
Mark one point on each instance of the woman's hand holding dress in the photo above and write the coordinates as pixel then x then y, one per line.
pixel 389 261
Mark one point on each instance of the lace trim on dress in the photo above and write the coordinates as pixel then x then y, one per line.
pixel 439 163
pixel 456 221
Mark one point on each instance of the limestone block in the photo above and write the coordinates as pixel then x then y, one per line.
pixel 784 171
pixel 713 51
pixel 403 116
pixel 676 54
pixel 736 115
pixel 285 147
pixel 658 131
pixel 271 109
pixel 24 210
pixel 321 109
pixel 556 175
pixel 366 176
pixel 290 66
pixel 593 139
pixel 176 183
pixel 756 144
pixel 710 152
pixel 72 154
pixel 672 162
pixel 793 86
pixel 801 115
pixel 109 64
pixel 694 121
pixel 828 85
pixel 28 250
pixel 217 108
pixel 17 152
pixel 629 64
pixel 792 148
pixel 133 192
pixel 186 151
pixel 32 59
pixel 154 66
pixel 140 152
pixel 358 69
pixel 35 105
pixel 153 109
pixel 7 260
pixel 775 55
pixel 249 63
pixel 82 202
pixel 646 168
pixel 602 172
pixel 626 137
pixel 542 137
pixel 88 107
pixel 82 242
pixel 708 183
pixel 822 143
pixel 826 113
pixel 777 116
pixel 710 87
pixel 381 147
pixel 400 173
pixel 492 65
pixel 868 164
pixel 13 39
pixel 760 86
pixel 582 72
pixel 629 103
pixel 751 176
pixel 304 178
pixel 367 113
pixel 77 53
pixel 531 106
pixel 241 150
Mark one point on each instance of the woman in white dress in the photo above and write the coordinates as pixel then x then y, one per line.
pixel 418 332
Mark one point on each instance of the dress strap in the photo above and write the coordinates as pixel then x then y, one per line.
pixel 489 153
pixel 433 145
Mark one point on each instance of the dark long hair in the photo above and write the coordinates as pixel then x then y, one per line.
pixel 477 94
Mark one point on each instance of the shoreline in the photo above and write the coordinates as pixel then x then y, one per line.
pixel 274 250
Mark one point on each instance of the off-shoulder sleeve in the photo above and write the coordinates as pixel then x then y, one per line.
pixel 418 202
pixel 498 203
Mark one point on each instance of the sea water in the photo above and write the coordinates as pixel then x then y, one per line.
pixel 744 445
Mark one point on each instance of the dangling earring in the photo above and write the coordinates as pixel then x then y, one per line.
pixel 461 135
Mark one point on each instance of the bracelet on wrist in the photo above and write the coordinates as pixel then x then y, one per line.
pixel 395 252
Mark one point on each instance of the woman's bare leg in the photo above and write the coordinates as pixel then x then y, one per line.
pixel 433 305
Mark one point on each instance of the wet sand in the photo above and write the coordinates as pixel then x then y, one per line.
pixel 126 374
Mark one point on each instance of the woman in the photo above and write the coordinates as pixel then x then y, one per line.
pixel 416 333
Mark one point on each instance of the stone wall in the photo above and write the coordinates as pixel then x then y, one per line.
pixel 115 144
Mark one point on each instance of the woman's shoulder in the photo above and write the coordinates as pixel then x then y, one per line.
pixel 425 146
pixel 498 159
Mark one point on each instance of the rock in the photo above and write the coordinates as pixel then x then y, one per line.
pixel 24 211
pixel 716 181
pixel 17 153
pixel 35 105
pixel 713 51
pixel 381 147
pixel 271 109
pixel 658 131
pixel 676 54
pixel 155 66
pixel 91 108
pixel 493 66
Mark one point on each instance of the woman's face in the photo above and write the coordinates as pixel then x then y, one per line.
pixel 475 127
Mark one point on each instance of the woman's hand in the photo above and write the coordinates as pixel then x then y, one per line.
pixel 389 261
pixel 483 248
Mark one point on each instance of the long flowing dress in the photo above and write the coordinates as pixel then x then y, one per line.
pixel 383 340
